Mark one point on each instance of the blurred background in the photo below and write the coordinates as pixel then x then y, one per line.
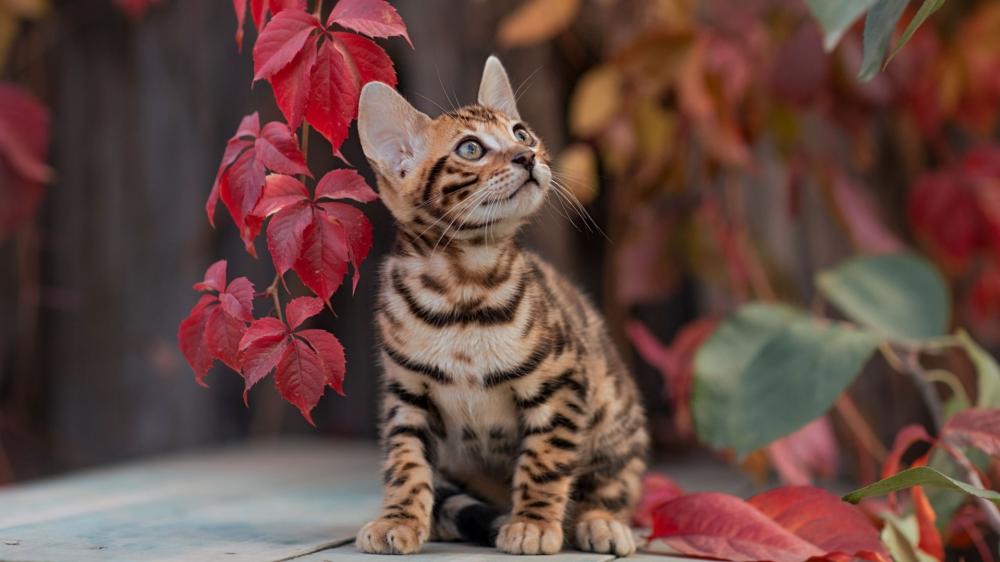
pixel 722 154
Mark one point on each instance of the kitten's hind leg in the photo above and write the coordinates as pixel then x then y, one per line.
pixel 459 516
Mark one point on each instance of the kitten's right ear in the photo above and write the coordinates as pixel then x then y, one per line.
pixel 392 131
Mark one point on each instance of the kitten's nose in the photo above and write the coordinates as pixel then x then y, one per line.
pixel 525 158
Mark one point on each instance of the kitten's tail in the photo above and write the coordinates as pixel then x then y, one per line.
pixel 461 517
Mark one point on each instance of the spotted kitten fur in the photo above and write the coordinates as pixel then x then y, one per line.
pixel 509 418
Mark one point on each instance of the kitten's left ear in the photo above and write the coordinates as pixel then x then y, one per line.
pixel 495 90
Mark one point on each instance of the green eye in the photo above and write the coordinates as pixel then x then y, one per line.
pixel 471 150
pixel 523 136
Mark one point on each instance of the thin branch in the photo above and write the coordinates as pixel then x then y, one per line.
pixel 273 290
pixel 911 365
pixel 859 426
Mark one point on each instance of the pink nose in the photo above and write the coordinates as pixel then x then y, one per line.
pixel 525 158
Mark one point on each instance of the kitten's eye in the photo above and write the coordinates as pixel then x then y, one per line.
pixel 471 150
pixel 523 136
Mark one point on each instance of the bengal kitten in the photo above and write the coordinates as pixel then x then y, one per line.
pixel 508 415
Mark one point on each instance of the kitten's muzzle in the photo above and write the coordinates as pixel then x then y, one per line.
pixel 525 158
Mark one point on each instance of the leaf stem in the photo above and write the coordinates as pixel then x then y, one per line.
pixel 273 290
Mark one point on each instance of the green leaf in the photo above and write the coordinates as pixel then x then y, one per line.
pixel 836 16
pixel 987 371
pixel 899 295
pixel 901 535
pixel 926 9
pixel 879 25
pixel 769 370
pixel 919 476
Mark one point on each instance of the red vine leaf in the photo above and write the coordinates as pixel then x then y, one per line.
pixel 241 176
pixel 787 524
pixel 258 12
pixel 291 86
pixel 285 36
pixel 191 338
pixel 301 309
pixel 304 363
pixel 260 349
pixel 375 18
pixel 975 427
pixel 811 450
pixel 675 362
pixel 372 63
pixel 345 184
pixel 332 354
pixel 217 323
pixel 316 238
pixel 24 139
pixel 316 73
pixel 657 489
pixel 333 95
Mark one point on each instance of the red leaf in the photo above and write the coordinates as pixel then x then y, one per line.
pixel 905 438
pixel 789 524
pixel 371 61
pixel 280 191
pixel 359 233
pixel 258 11
pixel 812 450
pixel 299 310
pixel 223 334
pixel 983 297
pixel 240 9
pixel 715 525
pixel 281 40
pixel 345 184
pixel 237 300
pixel 278 150
pixel 930 538
pixel 285 235
pixel 975 427
pixel 215 278
pixel 242 173
pixel 333 95
pixel 301 377
pixel 191 338
pixel 323 261
pixel 675 363
pixel 24 139
pixel 291 85
pixel 375 18
pixel 822 519
pixel 331 353
pixel 657 489
pixel 260 349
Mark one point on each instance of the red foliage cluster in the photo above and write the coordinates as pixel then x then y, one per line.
pixel 317 74
pixel 24 140
pixel 956 213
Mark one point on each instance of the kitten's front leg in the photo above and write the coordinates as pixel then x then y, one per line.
pixel 545 468
pixel 409 443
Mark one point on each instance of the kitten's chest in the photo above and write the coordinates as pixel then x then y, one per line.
pixel 482 424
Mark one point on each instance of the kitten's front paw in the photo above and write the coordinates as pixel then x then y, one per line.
pixel 605 535
pixel 521 536
pixel 390 536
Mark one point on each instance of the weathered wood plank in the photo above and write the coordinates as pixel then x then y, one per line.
pixel 262 502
